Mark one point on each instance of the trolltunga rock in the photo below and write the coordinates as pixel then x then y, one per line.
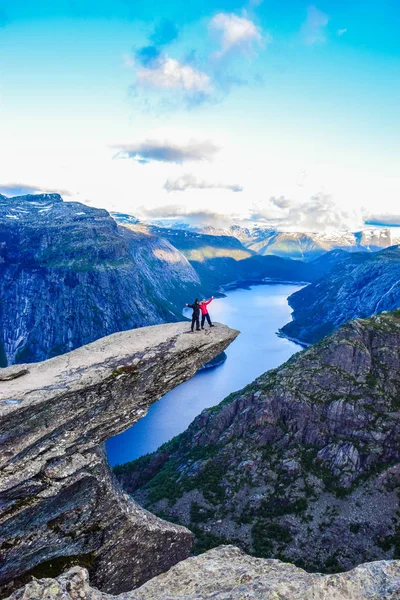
pixel 59 503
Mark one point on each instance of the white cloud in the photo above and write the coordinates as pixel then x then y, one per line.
pixel 341 32
pixel 236 32
pixel 188 181
pixel 170 73
pixel 313 29
pixel 318 213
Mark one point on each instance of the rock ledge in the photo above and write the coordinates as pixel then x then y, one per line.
pixel 59 504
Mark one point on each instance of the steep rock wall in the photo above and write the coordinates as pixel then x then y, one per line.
pixel 58 502
pixel 69 275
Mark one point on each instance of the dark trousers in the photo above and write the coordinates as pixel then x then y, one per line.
pixel 196 319
pixel 204 317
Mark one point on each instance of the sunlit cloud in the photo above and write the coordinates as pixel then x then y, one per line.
pixel 168 152
pixel 165 72
pixel 239 33
pixel 184 214
pixel 190 182
pixel 313 30
pixel 318 213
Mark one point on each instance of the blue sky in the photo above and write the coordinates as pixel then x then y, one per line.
pixel 279 112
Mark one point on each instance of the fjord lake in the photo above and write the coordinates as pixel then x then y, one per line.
pixel 257 312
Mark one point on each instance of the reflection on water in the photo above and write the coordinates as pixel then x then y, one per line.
pixel 257 313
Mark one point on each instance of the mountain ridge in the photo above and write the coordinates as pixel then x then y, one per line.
pixel 357 285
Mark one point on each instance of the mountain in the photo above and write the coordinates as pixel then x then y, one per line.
pixel 269 241
pixel 302 465
pixel 69 275
pixel 222 260
pixel 356 285
pixel 308 246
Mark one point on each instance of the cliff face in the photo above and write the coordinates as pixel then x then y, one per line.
pixel 69 275
pixel 58 502
pixel 227 574
pixel 359 285
pixel 303 464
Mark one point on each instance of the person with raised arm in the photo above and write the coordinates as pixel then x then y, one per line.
pixel 204 312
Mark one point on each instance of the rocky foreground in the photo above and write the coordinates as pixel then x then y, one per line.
pixel 59 505
pixel 301 465
pixel 226 573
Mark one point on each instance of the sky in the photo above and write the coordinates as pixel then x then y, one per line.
pixel 277 113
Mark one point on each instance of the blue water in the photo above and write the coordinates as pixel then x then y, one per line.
pixel 257 313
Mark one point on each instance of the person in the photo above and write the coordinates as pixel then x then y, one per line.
pixel 204 312
pixel 195 314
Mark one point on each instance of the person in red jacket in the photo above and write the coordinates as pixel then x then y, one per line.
pixel 204 312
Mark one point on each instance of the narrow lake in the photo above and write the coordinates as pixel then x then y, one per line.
pixel 257 312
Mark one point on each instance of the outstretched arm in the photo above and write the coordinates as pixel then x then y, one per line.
pixel 210 300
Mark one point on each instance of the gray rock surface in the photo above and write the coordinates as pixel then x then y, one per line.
pixel 69 275
pixel 359 285
pixel 227 574
pixel 58 502
pixel 302 465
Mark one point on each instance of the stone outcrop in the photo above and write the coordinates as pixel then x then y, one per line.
pixel 359 285
pixel 227 574
pixel 58 503
pixel 69 275
pixel 302 465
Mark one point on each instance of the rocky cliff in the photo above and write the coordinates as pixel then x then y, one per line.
pixel 58 502
pixel 302 465
pixel 69 275
pixel 227 574
pixel 359 285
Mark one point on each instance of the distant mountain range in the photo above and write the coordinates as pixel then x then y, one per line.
pixel 305 246
pixel 308 246
pixel 223 260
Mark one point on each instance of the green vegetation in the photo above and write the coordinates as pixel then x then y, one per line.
pixel 264 535
pixel 391 541
pixel 199 514
pixel 278 507
pixel 205 540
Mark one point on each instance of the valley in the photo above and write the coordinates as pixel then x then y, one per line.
pixel 257 313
